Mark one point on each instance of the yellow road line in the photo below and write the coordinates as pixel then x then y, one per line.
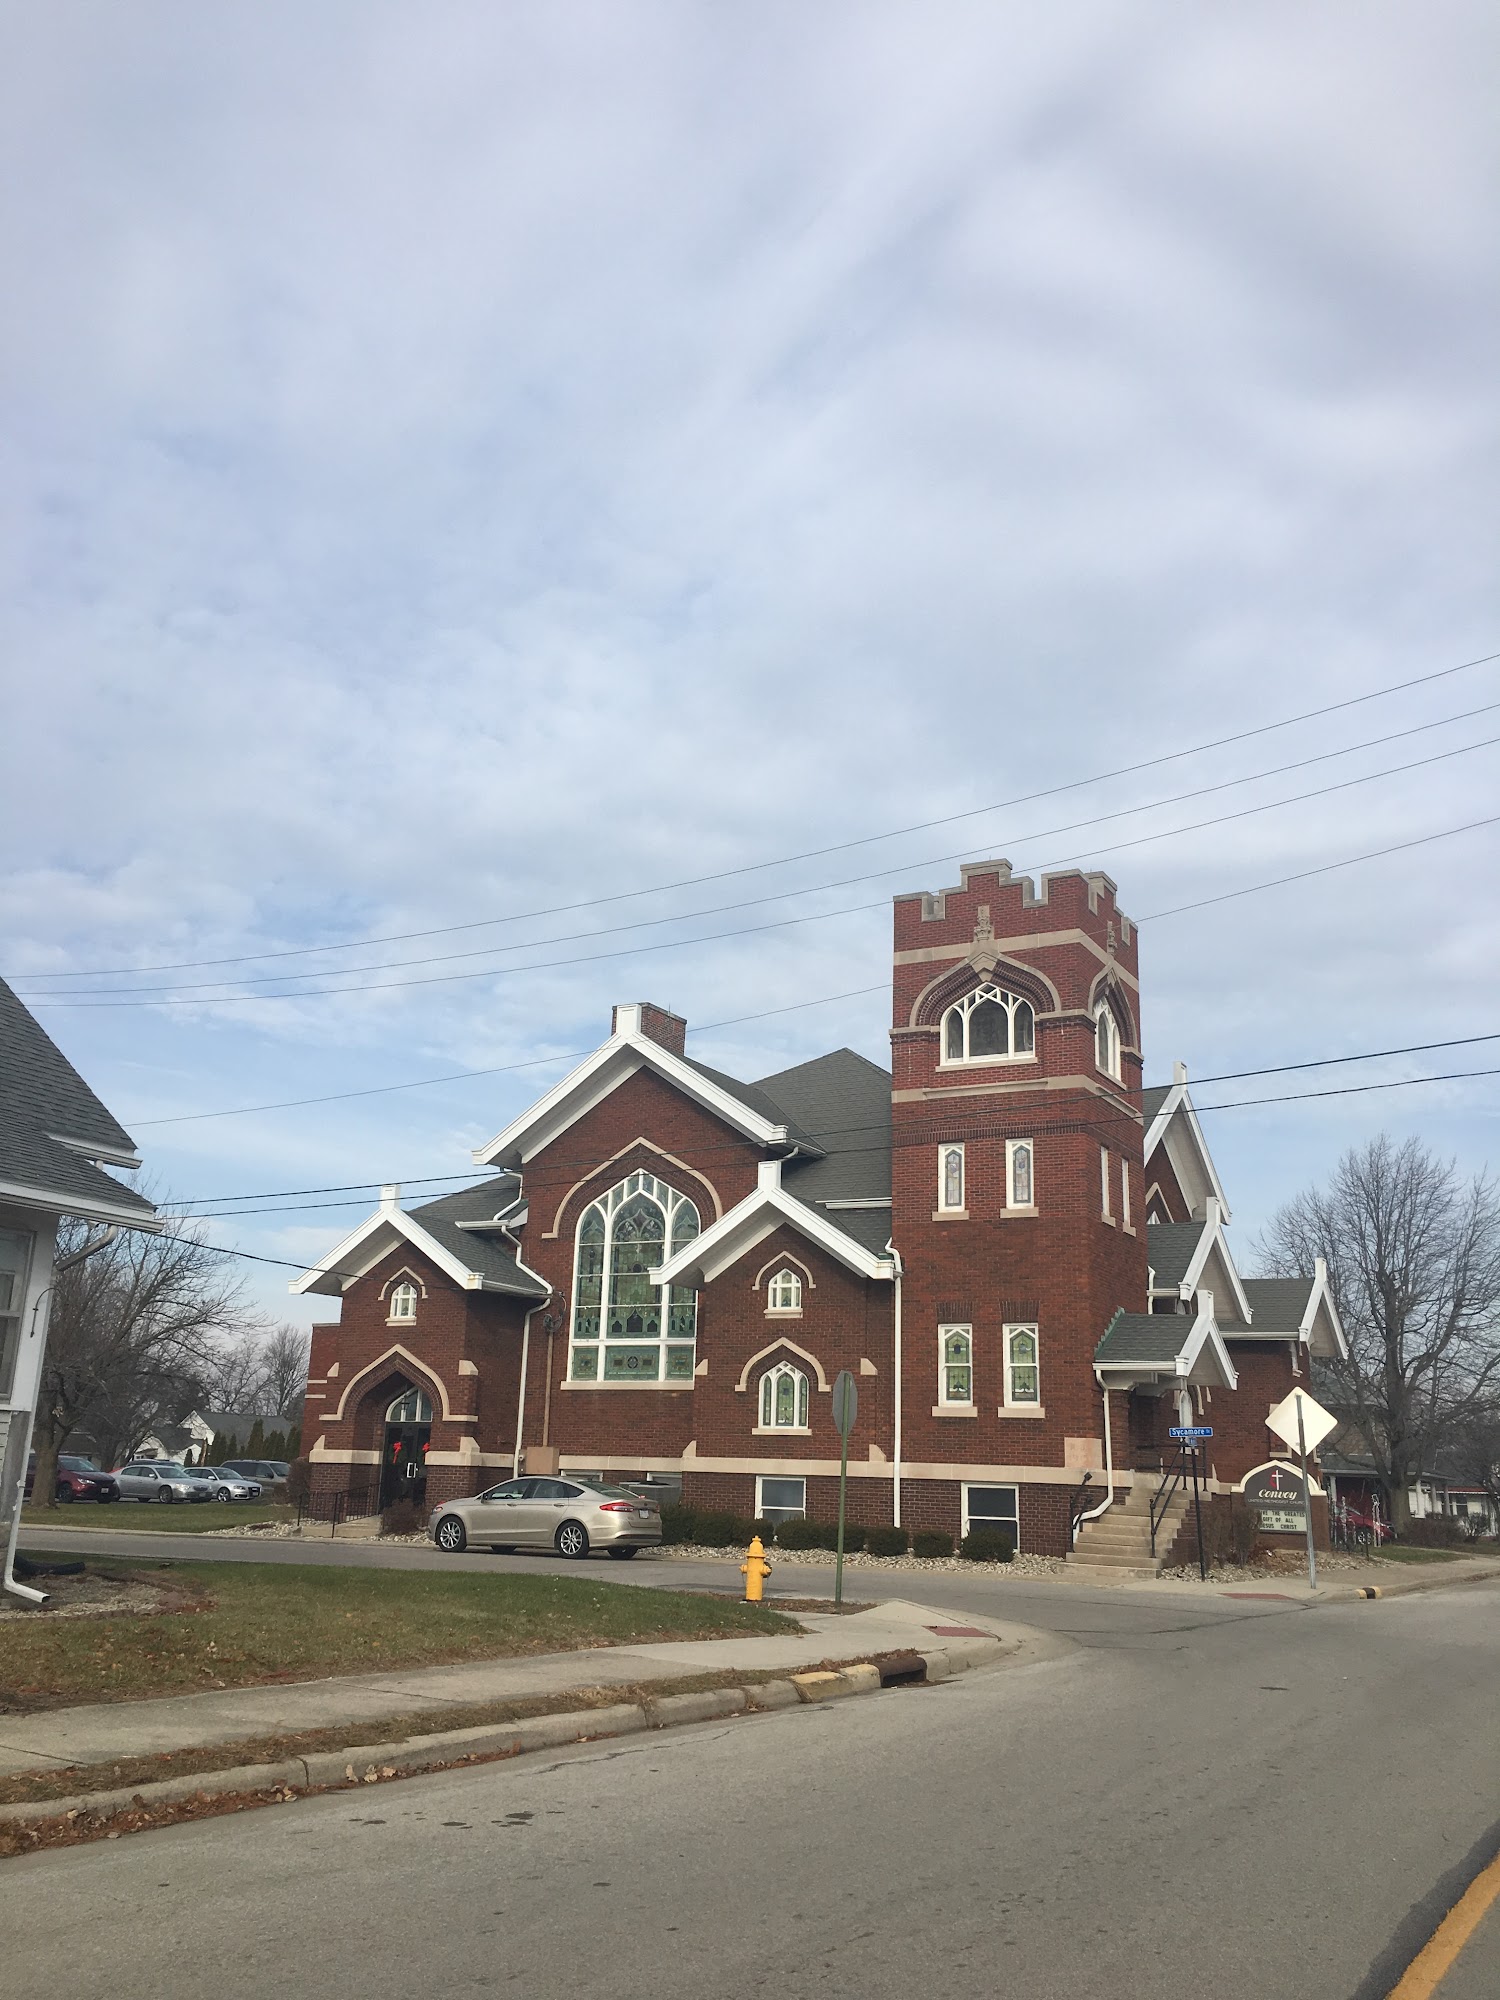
pixel 1434 1961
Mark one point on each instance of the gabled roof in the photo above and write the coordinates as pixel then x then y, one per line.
pixel 1298 1308
pixel 1171 1121
pixel 53 1128
pixel 1156 1347
pixel 768 1208
pixel 843 1101
pixel 478 1260
pixel 1193 1255
pixel 739 1105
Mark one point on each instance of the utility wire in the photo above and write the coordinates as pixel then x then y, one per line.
pixel 815 916
pixel 842 1131
pixel 812 853
pixel 356 973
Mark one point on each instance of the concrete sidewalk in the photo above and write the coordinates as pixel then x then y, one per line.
pixel 107 1731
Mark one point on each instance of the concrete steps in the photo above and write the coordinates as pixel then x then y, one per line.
pixel 1118 1544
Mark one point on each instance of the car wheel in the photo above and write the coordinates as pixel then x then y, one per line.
pixel 450 1535
pixel 165 1493
pixel 624 1555
pixel 221 1493
pixel 65 1494
pixel 572 1540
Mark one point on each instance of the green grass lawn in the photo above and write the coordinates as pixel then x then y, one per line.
pixel 258 1622
pixel 1404 1552
pixel 182 1517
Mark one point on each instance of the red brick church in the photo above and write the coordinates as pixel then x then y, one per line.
pixel 1018 1251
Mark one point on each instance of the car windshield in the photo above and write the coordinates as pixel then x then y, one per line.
pixel 78 1465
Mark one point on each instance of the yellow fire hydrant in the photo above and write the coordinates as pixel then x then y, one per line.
pixel 755 1569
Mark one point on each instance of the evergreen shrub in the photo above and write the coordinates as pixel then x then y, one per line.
pixel 886 1541
pixel 931 1542
pixel 987 1545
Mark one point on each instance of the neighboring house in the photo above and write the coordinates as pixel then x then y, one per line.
pixel 1022 1266
pixel 53 1133
pixel 188 1441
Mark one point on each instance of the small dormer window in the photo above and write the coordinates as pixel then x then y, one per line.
pixel 401 1302
pixel 1107 1042
pixel 988 1025
pixel 784 1293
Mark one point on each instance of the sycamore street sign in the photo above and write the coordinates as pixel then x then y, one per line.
pixel 1192 1433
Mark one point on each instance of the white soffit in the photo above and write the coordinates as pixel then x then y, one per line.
pixel 594 1079
pixel 751 1221
pixel 375 1238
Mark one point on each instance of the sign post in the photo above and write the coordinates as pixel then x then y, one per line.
pixel 1192 1435
pixel 845 1410
pixel 1298 1420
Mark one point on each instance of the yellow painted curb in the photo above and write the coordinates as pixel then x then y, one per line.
pixel 1435 1960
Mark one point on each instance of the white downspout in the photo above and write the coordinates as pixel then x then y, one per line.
pixel 1109 1460
pixel 521 1265
pixel 896 1401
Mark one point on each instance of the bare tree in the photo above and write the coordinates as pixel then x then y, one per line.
pixel 132 1335
pixel 1474 1448
pixel 1413 1257
pixel 283 1371
pixel 234 1375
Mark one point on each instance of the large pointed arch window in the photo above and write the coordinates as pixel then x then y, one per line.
pixel 626 1326
pixel 988 1025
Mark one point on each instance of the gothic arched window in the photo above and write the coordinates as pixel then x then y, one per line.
pixel 626 1326
pixel 412 1406
pixel 783 1399
pixel 988 1025
pixel 1107 1041
pixel 401 1302
pixel 784 1293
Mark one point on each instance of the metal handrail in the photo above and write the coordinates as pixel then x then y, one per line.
pixel 1164 1492
pixel 1078 1507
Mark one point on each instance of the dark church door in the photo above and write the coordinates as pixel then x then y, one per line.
pixel 408 1438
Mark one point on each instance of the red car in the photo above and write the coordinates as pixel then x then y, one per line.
pixel 77 1479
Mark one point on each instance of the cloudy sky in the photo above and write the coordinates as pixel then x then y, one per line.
pixel 462 463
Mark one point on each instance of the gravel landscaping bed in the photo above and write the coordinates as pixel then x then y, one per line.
pixel 1019 1565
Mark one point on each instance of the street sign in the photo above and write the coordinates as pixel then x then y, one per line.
pixel 1316 1421
pixel 1192 1433
pixel 845 1403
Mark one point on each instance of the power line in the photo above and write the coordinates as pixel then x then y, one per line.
pixel 842 1131
pixel 356 973
pixel 811 917
pixel 807 854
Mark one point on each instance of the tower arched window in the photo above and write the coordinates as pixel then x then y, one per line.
pixel 401 1301
pixel 783 1399
pixel 784 1293
pixel 1107 1040
pixel 988 1025
pixel 626 1326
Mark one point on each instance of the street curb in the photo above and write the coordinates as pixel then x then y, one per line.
pixel 370 1763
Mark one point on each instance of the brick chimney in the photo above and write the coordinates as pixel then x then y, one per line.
pixel 644 1017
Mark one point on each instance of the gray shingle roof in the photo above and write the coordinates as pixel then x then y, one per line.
pixel 493 1257
pixel 844 1102
pixel 1277 1303
pixel 43 1100
pixel 1170 1249
pixel 756 1098
pixel 1153 1339
pixel 1152 1100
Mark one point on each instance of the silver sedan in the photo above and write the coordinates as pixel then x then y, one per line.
pixel 158 1479
pixel 223 1485
pixel 568 1515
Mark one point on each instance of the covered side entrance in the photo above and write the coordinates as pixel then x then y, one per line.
pixel 403 1457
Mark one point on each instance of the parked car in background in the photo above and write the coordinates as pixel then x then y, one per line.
pixel 77 1479
pixel 563 1514
pixel 159 1479
pixel 223 1484
pixel 266 1470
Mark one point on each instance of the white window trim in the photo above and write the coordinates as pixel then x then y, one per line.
pixel 987 1520
pixel 760 1505
pixel 1104 1014
pixel 961 1208
pixel 1012 1407
pixel 965 1004
pixel 802 1391
pixel 1104 1187
pixel 671 1201
pixel 1012 1206
pixel 778 1311
pixel 404 1290
pixel 1125 1222
pixel 947 1406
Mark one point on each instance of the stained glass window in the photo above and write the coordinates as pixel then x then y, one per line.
pixel 784 1397
pixel 1023 1383
pixel 953 1177
pixel 1022 1194
pixel 956 1382
pixel 626 1326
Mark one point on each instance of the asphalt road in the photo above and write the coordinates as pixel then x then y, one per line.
pixel 1228 1799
